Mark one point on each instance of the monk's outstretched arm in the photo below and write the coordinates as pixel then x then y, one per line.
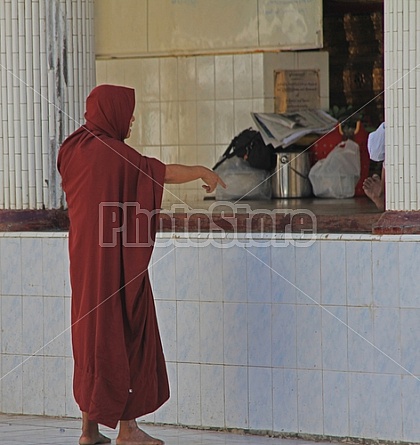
pixel 178 174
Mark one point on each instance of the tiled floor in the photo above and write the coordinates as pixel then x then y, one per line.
pixel 32 430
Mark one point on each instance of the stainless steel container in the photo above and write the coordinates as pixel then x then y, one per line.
pixel 290 179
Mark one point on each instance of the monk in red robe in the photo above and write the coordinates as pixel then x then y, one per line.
pixel 113 195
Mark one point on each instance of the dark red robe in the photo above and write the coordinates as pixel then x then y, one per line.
pixel 113 193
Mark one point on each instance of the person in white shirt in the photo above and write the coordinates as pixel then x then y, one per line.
pixel 374 186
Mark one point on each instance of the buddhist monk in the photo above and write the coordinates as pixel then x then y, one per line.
pixel 113 194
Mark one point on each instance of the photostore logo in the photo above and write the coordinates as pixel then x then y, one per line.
pixel 224 224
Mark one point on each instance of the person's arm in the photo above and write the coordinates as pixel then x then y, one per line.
pixel 178 174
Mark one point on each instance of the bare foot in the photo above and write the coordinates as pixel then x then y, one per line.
pixel 374 189
pixel 90 432
pixel 93 440
pixel 131 434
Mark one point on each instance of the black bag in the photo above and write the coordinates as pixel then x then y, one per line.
pixel 249 145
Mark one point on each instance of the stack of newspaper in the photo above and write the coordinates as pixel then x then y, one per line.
pixel 282 130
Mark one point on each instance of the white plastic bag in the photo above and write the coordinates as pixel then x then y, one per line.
pixel 242 181
pixel 336 176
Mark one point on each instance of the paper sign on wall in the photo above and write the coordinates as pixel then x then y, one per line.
pixel 296 90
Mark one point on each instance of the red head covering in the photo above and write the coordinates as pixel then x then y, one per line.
pixel 109 109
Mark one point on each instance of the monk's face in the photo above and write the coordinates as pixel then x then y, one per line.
pixel 129 127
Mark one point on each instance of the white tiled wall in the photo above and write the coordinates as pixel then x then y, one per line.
pixel 36 364
pixel 320 340
pixel 189 108
pixel 402 110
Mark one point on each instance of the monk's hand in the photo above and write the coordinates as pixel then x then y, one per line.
pixel 211 180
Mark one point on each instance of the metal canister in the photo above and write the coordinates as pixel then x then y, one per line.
pixel 290 178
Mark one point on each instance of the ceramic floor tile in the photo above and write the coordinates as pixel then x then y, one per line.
pixel 34 430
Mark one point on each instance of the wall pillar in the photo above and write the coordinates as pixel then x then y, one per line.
pixel 402 104
pixel 47 68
